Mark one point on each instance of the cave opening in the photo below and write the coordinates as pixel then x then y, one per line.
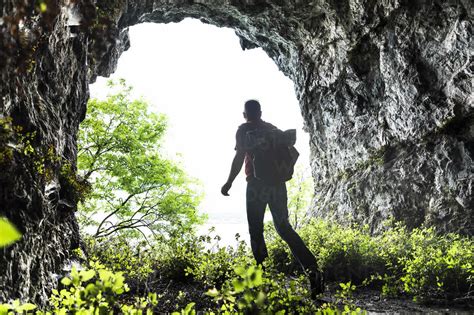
pixel 385 88
pixel 198 76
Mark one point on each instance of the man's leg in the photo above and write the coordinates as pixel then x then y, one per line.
pixel 279 209
pixel 256 204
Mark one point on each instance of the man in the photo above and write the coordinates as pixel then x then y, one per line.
pixel 260 194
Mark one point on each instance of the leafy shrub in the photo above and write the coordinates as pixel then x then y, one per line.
pixel 255 292
pixel 251 292
pixel 215 265
pixel 279 254
pixel 95 290
pixel 345 254
pixel 89 289
pixel 180 254
pixel 15 307
pixel 419 263
pixel 136 262
pixel 431 265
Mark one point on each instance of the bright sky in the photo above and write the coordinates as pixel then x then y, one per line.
pixel 198 76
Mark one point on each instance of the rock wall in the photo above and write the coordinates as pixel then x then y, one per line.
pixel 385 88
pixel 43 95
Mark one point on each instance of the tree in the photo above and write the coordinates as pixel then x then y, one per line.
pixel 134 187
pixel 300 193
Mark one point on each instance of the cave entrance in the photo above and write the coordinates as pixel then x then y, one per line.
pixel 199 76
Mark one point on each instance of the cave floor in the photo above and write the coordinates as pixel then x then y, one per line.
pixel 369 300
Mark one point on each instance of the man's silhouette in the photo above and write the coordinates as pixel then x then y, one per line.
pixel 260 194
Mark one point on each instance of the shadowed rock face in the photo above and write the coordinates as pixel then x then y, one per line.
pixel 385 88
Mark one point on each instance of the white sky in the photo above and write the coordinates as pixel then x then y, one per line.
pixel 198 76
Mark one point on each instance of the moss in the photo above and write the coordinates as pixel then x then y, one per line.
pixel 6 131
pixel 43 162
pixel 78 187
pixel 110 9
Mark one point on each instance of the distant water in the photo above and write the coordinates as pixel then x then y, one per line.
pixel 227 232
pixel 227 225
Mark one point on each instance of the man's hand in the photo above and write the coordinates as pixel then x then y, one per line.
pixel 225 189
pixel 237 163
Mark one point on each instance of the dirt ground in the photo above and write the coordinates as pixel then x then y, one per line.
pixel 372 302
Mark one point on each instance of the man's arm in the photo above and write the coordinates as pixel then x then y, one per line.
pixel 234 171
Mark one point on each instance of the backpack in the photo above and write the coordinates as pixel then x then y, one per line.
pixel 274 154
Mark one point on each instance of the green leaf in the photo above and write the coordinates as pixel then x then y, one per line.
pixel 66 281
pixel 189 307
pixel 240 270
pixel 261 298
pixel 26 307
pixel 238 285
pixel 212 292
pixel 86 275
pixel 8 233
pixel 4 308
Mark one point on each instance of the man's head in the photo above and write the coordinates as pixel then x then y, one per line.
pixel 252 110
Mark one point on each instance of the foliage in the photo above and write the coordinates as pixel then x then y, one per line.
pixel 95 290
pixel 427 265
pixel 8 233
pixel 251 292
pixel 344 294
pixel 136 262
pixel 89 289
pixel 420 262
pixel 214 265
pixel 254 292
pixel 178 254
pixel 344 253
pixel 181 258
pixel 16 307
pixel 300 193
pixel 135 188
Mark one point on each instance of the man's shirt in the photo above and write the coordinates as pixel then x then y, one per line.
pixel 241 142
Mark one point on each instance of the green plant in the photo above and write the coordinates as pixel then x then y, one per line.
pixel 214 265
pixel 97 291
pixel 137 262
pixel 16 307
pixel 437 266
pixel 188 310
pixel 344 296
pixel 345 254
pixel 420 263
pixel 94 290
pixel 133 184
pixel 89 289
pixel 253 292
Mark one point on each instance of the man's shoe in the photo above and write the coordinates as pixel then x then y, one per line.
pixel 316 282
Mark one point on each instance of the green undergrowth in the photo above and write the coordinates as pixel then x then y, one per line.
pixel 420 263
pixel 186 274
